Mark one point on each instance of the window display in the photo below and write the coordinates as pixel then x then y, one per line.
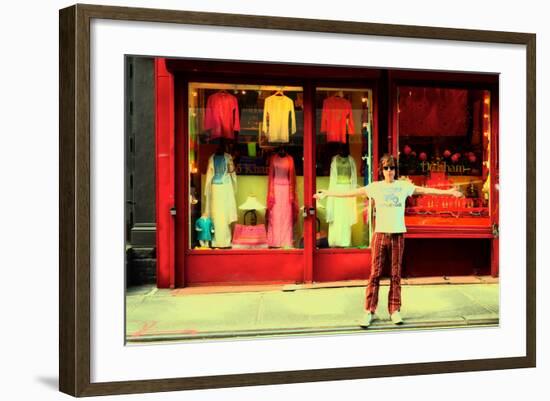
pixel 343 157
pixel 444 141
pixel 245 148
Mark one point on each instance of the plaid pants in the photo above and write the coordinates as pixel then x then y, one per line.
pixel 382 244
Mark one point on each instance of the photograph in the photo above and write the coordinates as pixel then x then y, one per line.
pixel 272 199
pixel 252 200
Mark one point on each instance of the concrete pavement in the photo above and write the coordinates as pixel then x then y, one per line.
pixel 201 313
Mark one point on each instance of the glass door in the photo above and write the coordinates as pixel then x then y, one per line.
pixel 343 152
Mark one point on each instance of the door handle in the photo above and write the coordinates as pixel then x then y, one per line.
pixel 495 230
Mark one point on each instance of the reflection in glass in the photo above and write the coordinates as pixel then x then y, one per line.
pixel 245 166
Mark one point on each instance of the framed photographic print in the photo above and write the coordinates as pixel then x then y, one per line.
pixel 298 200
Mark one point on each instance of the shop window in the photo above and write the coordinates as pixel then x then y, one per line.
pixel 343 162
pixel 444 140
pixel 245 166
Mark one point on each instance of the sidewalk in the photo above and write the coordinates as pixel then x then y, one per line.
pixel 201 313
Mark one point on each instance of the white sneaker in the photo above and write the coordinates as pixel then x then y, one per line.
pixel 367 319
pixel 396 317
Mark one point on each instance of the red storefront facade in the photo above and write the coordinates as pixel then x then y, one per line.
pixel 443 238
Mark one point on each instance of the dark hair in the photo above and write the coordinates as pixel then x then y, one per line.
pixel 388 160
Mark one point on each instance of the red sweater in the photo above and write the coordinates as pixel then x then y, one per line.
pixel 336 112
pixel 222 115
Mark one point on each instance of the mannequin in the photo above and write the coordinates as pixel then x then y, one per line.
pixel 205 229
pixel 219 193
pixel 282 202
pixel 341 212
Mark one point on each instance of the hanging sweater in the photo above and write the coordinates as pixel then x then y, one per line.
pixel 337 119
pixel 222 115
pixel 278 109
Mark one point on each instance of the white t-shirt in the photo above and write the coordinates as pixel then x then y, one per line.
pixel 390 201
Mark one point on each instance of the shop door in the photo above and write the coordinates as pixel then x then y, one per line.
pixel 344 149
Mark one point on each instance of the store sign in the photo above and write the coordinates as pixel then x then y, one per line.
pixel 251 166
pixel 443 167
pixel 247 169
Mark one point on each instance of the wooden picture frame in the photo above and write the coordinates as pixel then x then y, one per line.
pixel 74 203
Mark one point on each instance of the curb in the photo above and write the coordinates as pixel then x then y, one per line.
pixel 267 333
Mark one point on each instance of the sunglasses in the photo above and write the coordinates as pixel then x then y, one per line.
pixel 389 168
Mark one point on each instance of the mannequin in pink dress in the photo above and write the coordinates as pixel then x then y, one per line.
pixel 282 202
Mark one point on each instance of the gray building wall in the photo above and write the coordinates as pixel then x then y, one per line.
pixel 140 171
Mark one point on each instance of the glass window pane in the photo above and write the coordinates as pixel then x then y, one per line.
pixel 444 141
pixel 245 166
pixel 343 163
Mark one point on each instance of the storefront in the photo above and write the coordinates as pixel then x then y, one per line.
pixel 242 147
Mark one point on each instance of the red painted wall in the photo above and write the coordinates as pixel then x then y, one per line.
pixel 164 174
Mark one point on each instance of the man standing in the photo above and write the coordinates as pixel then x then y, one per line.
pixel 389 196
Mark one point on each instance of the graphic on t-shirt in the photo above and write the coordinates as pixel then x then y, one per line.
pixel 391 197
pixel 389 201
pixel 392 200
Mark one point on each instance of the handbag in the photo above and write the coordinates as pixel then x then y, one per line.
pixel 249 237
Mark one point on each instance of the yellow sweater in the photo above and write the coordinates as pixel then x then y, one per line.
pixel 277 110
